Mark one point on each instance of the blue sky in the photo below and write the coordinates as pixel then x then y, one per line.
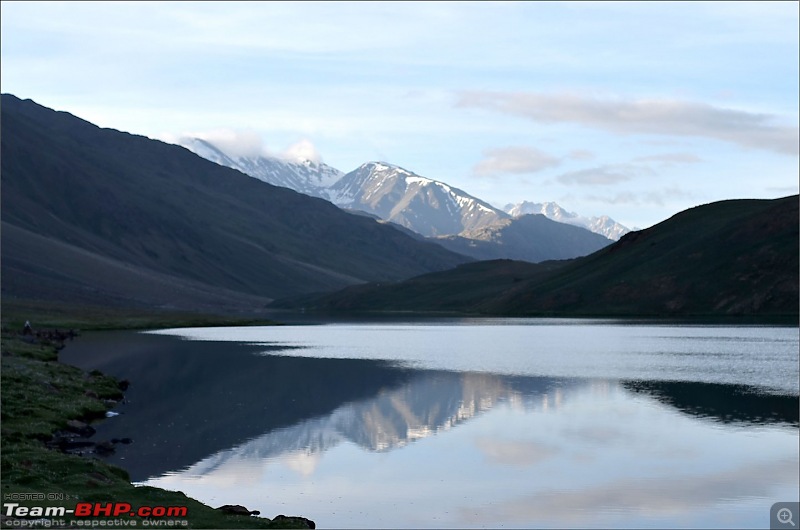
pixel 627 109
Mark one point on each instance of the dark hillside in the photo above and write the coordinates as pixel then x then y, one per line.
pixel 111 217
pixel 737 257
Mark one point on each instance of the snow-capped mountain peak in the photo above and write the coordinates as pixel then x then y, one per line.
pixel 424 205
pixel 602 225
pixel 303 175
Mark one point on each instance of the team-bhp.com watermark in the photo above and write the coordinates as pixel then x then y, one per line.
pixel 93 514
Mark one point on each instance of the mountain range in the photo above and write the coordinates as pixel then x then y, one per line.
pixel 602 225
pixel 531 237
pixel 733 257
pixel 101 217
pixel 433 209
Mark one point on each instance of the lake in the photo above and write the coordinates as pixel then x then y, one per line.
pixel 468 423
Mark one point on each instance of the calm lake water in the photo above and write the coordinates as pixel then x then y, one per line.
pixel 524 423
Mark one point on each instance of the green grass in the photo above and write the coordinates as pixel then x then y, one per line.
pixel 39 396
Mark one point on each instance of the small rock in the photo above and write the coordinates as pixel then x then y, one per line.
pixel 70 445
pixel 99 477
pixel 104 448
pixel 236 509
pixel 293 520
pixel 81 428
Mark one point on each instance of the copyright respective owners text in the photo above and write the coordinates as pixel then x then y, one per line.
pixel 18 513
pixel 783 515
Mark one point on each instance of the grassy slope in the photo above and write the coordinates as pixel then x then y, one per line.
pixel 736 257
pixel 39 396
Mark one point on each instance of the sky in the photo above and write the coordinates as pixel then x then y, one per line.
pixel 635 110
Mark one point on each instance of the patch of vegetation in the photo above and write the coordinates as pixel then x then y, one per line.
pixel 40 396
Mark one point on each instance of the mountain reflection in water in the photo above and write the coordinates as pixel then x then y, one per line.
pixel 388 443
pixel 195 402
pixel 429 403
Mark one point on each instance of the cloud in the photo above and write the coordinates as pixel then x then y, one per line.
pixel 302 151
pixel 581 154
pixel 514 160
pixel 624 197
pixel 643 116
pixel 633 497
pixel 234 142
pixel 604 175
pixel 658 198
pixel 517 453
pixel 782 190
pixel 671 158
pixel 247 143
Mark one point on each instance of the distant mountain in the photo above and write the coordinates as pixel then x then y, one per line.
pixel 424 205
pixel 531 238
pixel 101 217
pixel 735 257
pixel 603 225
pixel 391 193
pixel 307 177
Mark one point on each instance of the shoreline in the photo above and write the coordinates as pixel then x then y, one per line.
pixel 48 457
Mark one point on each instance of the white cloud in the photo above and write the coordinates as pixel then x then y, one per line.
pixel 514 160
pixel 302 151
pixel 248 143
pixel 514 452
pixel 581 154
pixel 662 496
pixel 234 142
pixel 604 175
pixel 671 158
pixel 643 116
pixel 650 198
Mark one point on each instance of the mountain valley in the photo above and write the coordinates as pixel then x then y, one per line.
pixel 104 218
